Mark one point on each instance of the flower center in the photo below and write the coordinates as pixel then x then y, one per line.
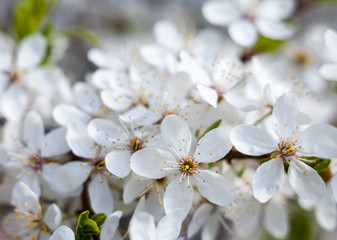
pixel 188 165
pixel 286 149
pixel 136 144
pixel 36 161
pixel 14 74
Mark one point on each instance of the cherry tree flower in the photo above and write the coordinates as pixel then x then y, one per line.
pixel 182 161
pixel 123 140
pixel 222 82
pixel 291 148
pixel 245 19
pixel 72 175
pixel 164 54
pixel 142 226
pixel 328 70
pixel 27 57
pixel 29 220
pixel 31 154
pixel 88 105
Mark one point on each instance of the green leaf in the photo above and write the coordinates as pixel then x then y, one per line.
pixel 80 32
pixel 213 126
pixel 319 164
pixel 90 228
pixel 99 218
pixel 82 218
pixel 263 160
pixel 30 16
pixel 265 44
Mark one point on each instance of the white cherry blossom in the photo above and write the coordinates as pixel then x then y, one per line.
pixel 245 19
pixel 291 148
pixel 182 160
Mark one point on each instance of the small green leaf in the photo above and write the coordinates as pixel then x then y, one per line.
pixel 99 218
pixel 82 218
pixel 80 32
pixel 90 228
pixel 210 165
pixel 319 164
pixel 263 160
pixel 213 126
pixel 265 44
pixel 80 223
pixel 31 15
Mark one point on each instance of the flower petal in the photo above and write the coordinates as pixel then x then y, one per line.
pixel 176 135
pixel 54 143
pixel 71 175
pixel 87 98
pixel 268 179
pixel 243 33
pixel 149 162
pixel 100 196
pixel 33 131
pixel 215 188
pixel 31 51
pixel 142 227
pixel 134 186
pixel 319 140
pixel 178 195
pixel 155 55
pixel 63 232
pixel 330 38
pixel 14 103
pixel 276 9
pixel 275 29
pixel 117 162
pixel 220 13
pixel 103 79
pixel 53 216
pixel 252 140
pixel 79 141
pixel 64 113
pixel 169 226
pixel 199 218
pixel 6 46
pixel 208 94
pixel 334 186
pixel 326 211
pixel 286 116
pixel 104 132
pixel 276 220
pixel 24 198
pixel 214 145
pixel 305 181
pixel 110 226
pixel 167 35
pixel 197 73
pixel 329 71
pixel 115 100
pixel 240 102
pixel 211 227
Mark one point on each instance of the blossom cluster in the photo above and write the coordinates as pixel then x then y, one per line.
pixel 178 135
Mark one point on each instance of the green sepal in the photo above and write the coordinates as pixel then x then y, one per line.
pixel 319 164
pixel 263 160
pixel 265 44
pixel 213 126
pixel 90 228
pixel 99 218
